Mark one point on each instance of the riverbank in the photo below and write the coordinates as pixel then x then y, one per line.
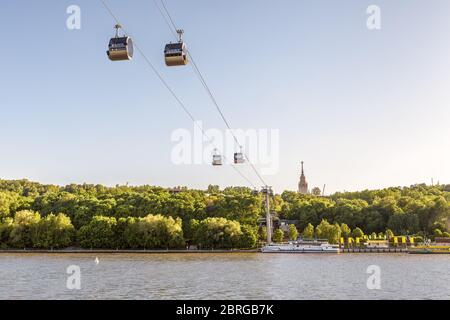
pixel 375 250
pixel 109 251
pixel 101 251
pixel 106 251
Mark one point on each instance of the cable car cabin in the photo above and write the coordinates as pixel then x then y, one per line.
pixel 176 54
pixel 120 48
pixel 217 160
pixel 239 158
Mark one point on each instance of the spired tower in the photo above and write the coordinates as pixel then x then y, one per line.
pixel 303 185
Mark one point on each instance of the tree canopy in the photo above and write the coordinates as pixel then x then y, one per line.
pixel 34 215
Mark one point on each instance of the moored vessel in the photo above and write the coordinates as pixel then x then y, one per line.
pixel 303 246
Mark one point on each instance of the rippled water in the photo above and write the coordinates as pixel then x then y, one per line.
pixel 224 276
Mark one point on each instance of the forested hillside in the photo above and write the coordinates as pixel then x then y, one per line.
pixel 34 215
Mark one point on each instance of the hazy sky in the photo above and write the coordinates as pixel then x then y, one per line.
pixel 363 109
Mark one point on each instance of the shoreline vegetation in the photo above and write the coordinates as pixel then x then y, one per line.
pixel 124 251
pixel 178 251
pixel 143 218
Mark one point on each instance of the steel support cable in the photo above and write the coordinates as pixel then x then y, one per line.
pixel 172 26
pixel 168 87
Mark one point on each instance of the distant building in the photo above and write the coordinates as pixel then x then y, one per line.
pixel 442 241
pixel 177 189
pixel 275 221
pixel 303 185
pixel 284 224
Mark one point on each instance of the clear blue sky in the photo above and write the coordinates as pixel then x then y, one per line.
pixel 363 109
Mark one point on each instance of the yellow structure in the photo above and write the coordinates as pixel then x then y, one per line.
pixel 402 240
pixel 430 249
pixel 377 244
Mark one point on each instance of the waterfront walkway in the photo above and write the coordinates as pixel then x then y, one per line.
pixel 100 251
pixel 374 250
pixel 109 251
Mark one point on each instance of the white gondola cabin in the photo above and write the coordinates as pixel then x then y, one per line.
pixel 217 159
pixel 239 158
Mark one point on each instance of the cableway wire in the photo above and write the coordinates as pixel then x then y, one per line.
pixel 168 87
pixel 173 28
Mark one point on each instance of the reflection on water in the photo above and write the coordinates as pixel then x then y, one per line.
pixel 224 276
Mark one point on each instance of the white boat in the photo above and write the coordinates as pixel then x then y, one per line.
pixel 304 246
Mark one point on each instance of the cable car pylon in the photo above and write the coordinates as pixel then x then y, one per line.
pixel 267 191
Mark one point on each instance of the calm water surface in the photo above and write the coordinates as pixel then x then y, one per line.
pixel 224 276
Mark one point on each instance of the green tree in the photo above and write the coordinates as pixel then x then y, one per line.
pixel 99 233
pixel 293 233
pixel 249 237
pixel 120 232
pixel 357 233
pixel 316 191
pixel 190 230
pixel 278 236
pixel 418 239
pixel 23 228
pixel 312 210
pixel 335 234
pixel 53 232
pixel 404 223
pixel 325 230
pixel 213 189
pixel 217 233
pixel 5 230
pixel 404 210
pixel 156 232
pixel 346 231
pixel 9 202
pixel 262 233
pixel 308 232
pixel 241 207
pixel 389 234
pixel 349 211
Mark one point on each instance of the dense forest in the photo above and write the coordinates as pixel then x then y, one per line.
pixel 34 215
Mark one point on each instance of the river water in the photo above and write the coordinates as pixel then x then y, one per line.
pixel 225 276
